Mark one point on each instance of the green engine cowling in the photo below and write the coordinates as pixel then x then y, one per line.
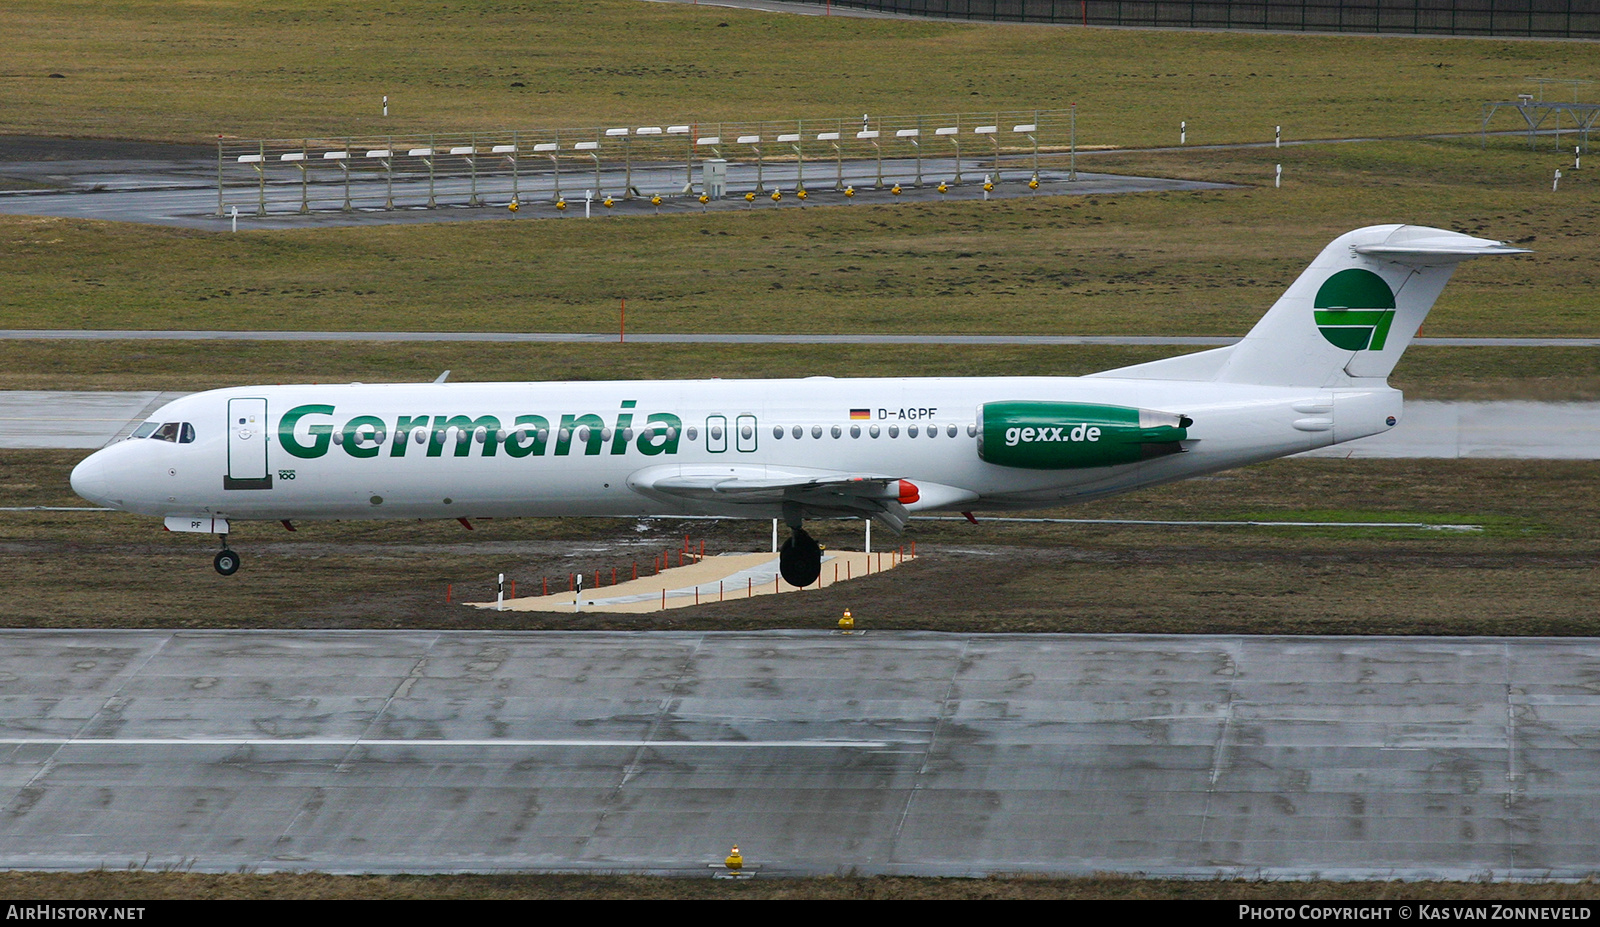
pixel 1075 435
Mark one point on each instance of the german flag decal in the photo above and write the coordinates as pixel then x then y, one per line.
pixel 860 414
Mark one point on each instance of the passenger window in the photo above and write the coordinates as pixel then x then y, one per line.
pixel 186 435
pixel 167 432
pixel 143 431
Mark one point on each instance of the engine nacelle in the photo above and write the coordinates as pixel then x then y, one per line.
pixel 1075 435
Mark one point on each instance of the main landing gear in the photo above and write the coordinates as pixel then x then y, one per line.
pixel 800 557
pixel 226 562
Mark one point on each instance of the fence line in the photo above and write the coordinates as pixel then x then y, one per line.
pixel 1526 18
pixel 263 176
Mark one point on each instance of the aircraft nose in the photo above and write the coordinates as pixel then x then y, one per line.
pixel 89 479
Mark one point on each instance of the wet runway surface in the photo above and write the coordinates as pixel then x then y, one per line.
pixel 912 753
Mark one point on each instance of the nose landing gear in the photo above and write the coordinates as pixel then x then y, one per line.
pixel 227 561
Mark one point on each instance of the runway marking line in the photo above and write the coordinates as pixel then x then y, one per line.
pixel 362 742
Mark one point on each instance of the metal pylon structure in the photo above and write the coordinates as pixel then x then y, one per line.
pixel 1535 110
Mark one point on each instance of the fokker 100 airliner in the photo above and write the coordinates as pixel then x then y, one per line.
pixel 1312 372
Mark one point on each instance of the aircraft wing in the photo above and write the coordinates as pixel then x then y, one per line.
pixel 818 493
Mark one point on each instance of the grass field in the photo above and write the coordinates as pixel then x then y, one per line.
pixel 1164 263
pixel 1202 263
pixel 189 71
pixel 1539 536
pixel 1171 264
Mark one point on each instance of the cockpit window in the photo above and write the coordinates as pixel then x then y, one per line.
pixel 186 434
pixel 167 432
pixel 143 431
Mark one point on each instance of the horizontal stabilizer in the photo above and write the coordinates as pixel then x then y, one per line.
pixel 1411 244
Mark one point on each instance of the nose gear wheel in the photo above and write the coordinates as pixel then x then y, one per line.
pixel 227 561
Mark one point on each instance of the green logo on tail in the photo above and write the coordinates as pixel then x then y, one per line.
pixel 1354 309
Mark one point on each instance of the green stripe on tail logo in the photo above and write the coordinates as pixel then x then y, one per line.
pixel 1354 309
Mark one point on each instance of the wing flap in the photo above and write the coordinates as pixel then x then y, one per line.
pixel 754 490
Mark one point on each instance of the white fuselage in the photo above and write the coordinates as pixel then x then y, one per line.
pixel 390 451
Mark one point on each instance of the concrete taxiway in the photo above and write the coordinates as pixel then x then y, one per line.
pixel 909 753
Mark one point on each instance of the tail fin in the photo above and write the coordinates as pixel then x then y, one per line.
pixel 1351 314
